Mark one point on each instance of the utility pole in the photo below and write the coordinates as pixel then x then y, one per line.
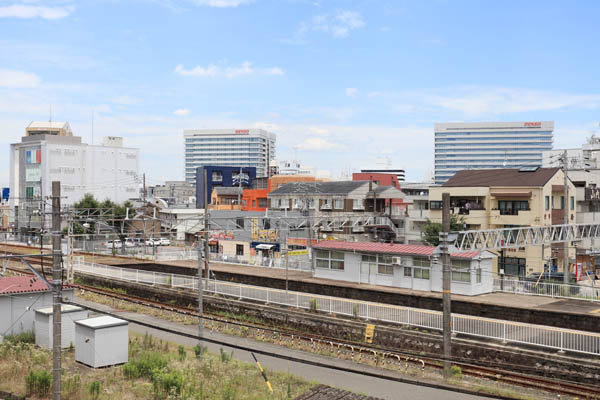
pixel 200 327
pixel 565 217
pixel 56 291
pixel 206 247
pixel 287 259
pixel 446 275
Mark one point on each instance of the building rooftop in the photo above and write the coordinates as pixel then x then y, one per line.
pixel 388 248
pixel 49 127
pixel 104 321
pixel 338 187
pixel 501 177
pixel 21 284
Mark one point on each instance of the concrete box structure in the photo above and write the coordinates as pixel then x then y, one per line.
pixel 101 341
pixel 44 321
pixel 414 267
pixel 19 297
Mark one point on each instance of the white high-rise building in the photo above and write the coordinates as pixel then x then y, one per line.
pixel 484 145
pixel 49 152
pixel 228 148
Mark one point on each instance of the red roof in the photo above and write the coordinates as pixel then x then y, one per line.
pixel 21 284
pixel 387 248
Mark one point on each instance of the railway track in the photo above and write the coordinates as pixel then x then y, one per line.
pixel 358 350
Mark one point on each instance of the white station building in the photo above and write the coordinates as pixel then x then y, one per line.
pixel 49 152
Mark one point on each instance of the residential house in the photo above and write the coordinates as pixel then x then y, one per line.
pixel 508 198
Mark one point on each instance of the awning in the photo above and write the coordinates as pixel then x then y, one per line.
pixel 263 246
pixel 512 194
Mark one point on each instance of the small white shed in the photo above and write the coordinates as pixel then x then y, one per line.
pixel 44 321
pixel 101 341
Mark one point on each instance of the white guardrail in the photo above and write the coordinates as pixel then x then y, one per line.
pixel 559 290
pixel 505 331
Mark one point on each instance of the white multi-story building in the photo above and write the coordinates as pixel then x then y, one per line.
pixel 486 145
pixel 49 152
pixel 228 148
pixel 384 165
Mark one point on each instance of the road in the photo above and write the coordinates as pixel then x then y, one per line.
pixel 375 387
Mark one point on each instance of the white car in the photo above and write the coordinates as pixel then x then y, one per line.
pixel 164 242
pixel 129 243
pixel 114 243
pixel 150 242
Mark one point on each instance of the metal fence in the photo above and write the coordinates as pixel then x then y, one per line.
pixel 505 331
pixel 560 290
pixel 302 263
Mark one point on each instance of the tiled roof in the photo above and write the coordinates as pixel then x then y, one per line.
pixel 387 248
pixel 312 188
pixel 21 284
pixel 501 177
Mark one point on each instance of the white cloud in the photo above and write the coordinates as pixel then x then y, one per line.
pixel 18 79
pixel 221 3
pixel 339 24
pixel 181 111
pixel 319 131
pixel 213 70
pixel 319 144
pixel 499 100
pixel 31 11
pixel 351 92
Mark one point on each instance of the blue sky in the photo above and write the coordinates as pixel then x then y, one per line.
pixel 344 82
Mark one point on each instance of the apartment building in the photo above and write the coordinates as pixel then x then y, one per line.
pixel 488 145
pixel 49 152
pixel 228 147
pixel 508 198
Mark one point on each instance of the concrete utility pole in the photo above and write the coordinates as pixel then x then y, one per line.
pixel 200 327
pixel 565 217
pixel 446 275
pixel 206 246
pixel 56 291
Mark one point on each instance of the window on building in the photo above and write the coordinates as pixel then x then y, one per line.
pixel 478 274
pixel 461 271
pixel 239 249
pixel 435 205
pixel 384 265
pixel 262 202
pixel 326 204
pixel 421 273
pixel 572 201
pixel 421 262
pixel 407 271
pixel 217 176
pixel 562 202
pixel 338 204
pixel 547 203
pixel 511 207
pixel 330 259
pixel 240 222
pixel 296 204
pixel 253 203
pixel 357 204
pixel 311 204
pixel 29 193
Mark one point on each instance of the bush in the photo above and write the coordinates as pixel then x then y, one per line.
pixel 312 305
pixel 38 383
pixel 165 383
pixel 225 358
pixel 94 389
pixel 71 386
pixel 181 353
pixel 456 371
pixel 144 365
pixel 24 337
pixel 198 350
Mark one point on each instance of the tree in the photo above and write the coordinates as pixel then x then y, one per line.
pixel 431 230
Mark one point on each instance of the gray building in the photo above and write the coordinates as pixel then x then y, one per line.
pixel 228 147
pixel 487 145
pixel 175 192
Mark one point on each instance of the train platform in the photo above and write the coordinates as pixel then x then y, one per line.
pixel 513 300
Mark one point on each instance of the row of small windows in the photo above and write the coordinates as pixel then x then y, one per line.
pixel 457 167
pixel 542 145
pixel 224 139
pixel 499 139
pixel 513 133
pixel 493 161
pixel 490 155
pixel 479 150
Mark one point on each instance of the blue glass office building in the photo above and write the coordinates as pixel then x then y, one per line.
pixel 486 145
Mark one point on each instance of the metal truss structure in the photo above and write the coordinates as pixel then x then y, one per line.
pixel 510 238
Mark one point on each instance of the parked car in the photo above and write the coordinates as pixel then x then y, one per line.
pixel 151 242
pixel 117 244
pixel 164 242
pixel 129 243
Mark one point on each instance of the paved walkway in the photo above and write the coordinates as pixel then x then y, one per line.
pixel 371 386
